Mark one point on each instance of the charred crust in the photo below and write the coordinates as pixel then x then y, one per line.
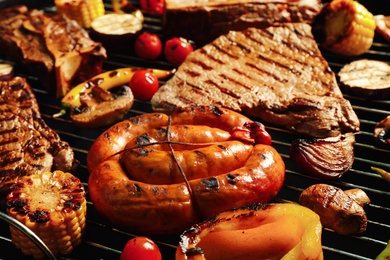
pixel 211 183
pixel 231 179
pixel 143 139
pixel 137 188
pixel 194 251
pixel 40 216
pixel 141 152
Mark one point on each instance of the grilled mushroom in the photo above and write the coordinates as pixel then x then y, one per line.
pixel 101 107
pixel 338 210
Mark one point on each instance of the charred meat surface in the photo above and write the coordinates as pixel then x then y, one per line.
pixel 276 74
pixel 28 145
pixel 53 48
pixel 206 20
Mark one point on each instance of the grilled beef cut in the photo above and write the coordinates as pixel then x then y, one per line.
pixel 276 74
pixel 27 144
pixel 206 20
pixel 53 48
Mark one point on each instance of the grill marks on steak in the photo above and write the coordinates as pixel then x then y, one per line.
pixel 27 145
pixel 206 20
pixel 276 74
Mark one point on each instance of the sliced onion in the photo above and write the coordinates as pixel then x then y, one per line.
pixel 327 158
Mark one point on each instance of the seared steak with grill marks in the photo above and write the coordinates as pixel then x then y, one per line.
pixel 27 145
pixel 276 74
pixel 206 20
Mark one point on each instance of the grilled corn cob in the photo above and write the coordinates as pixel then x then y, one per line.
pixel 53 206
pixel 83 11
pixel 348 28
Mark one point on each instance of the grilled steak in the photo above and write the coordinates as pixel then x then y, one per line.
pixel 276 74
pixel 53 48
pixel 206 20
pixel 27 145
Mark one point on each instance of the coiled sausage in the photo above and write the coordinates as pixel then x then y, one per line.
pixel 167 208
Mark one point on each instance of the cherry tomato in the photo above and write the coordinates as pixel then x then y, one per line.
pixel 148 46
pixel 140 248
pixel 176 50
pixel 144 84
pixel 153 6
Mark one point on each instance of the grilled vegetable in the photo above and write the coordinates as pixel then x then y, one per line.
pixel 117 30
pixel 327 158
pixel 385 175
pixel 106 80
pixel 337 209
pixel 257 231
pixel 6 71
pixel 366 78
pixel 385 254
pixel 101 107
pixel 53 206
pixel 84 12
pixel 348 28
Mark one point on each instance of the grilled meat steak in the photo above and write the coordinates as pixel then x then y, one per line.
pixel 53 48
pixel 276 74
pixel 27 144
pixel 206 20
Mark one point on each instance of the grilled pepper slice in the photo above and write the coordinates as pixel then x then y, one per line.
pixel 257 231
pixel 53 206
pixel 106 81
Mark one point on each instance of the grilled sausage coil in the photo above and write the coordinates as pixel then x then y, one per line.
pixel 160 174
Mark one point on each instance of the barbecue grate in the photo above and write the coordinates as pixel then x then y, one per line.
pixel 101 241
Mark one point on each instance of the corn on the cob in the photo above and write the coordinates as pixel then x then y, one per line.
pixel 53 206
pixel 349 28
pixel 83 11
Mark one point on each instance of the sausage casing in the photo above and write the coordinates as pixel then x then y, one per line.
pixel 248 171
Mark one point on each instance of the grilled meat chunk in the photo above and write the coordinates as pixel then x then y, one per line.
pixel 52 47
pixel 276 74
pixel 206 20
pixel 27 144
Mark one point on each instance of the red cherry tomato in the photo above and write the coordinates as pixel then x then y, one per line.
pixel 176 50
pixel 148 46
pixel 144 84
pixel 140 248
pixel 152 6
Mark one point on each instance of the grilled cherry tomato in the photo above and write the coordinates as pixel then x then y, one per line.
pixel 140 248
pixel 148 46
pixel 144 84
pixel 176 50
pixel 153 6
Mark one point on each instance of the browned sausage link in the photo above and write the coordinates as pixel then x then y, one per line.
pixel 134 205
pixel 186 136
pixel 146 164
pixel 153 209
pixel 114 139
pixel 208 115
pixel 259 180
